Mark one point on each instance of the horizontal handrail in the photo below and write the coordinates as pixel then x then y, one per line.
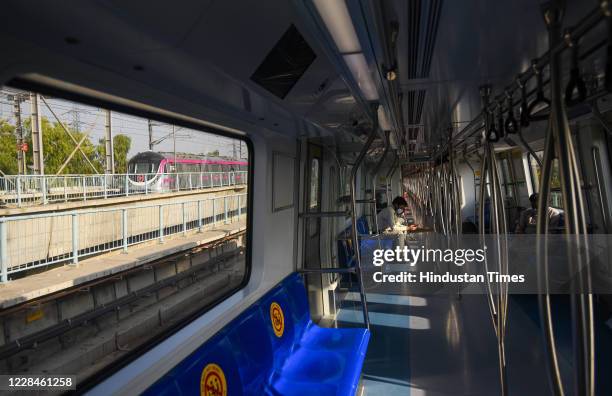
pixel 325 214
pixel 25 190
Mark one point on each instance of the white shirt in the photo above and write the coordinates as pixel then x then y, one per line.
pixel 387 219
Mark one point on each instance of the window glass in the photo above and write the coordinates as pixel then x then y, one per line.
pixel 153 288
pixel 556 198
pixel 507 181
pixel 314 183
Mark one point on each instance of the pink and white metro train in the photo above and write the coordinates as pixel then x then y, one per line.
pixel 158 172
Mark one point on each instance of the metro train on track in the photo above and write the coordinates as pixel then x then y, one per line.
pixel 157 172
pixel 425 204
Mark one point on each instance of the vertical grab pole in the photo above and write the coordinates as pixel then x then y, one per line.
pixel 559 141
pixel 375 176
pixel 488 173
pixel 3 252
pixel 355 236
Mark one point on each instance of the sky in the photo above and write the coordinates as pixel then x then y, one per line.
pixel 91 120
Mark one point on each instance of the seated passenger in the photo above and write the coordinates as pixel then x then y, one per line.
pixel 528 217
pixel 389 219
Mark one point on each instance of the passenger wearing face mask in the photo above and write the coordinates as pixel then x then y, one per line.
pixel 390 218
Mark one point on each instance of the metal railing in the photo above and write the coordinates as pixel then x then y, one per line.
pixel 39 240
pixel 28 190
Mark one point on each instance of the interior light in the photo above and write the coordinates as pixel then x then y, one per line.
pixel 338 21
pixel 360 71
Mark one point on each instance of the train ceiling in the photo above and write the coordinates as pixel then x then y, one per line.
pixel 274 64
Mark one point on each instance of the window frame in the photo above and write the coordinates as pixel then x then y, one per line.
pixel 535 183
pixel 71 95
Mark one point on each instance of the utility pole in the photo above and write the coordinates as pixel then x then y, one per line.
pixel 150 135
pixel 37 135
pixel 21 158
pixel 108 140
pixel 234 149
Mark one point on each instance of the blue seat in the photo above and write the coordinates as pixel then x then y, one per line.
pixel 362 226
pixel 188 377
pixel 273 348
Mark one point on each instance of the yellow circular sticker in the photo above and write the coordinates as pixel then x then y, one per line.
pixel 213 382
pixel 278 319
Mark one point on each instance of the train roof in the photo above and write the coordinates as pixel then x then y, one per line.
pixel 158 156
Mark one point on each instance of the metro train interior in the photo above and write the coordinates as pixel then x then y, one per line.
pixel 324 138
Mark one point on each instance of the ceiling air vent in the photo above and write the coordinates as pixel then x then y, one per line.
pixel 285 63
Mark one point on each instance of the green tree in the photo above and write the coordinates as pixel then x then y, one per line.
pixel 121 148
pixel 8 148
pixel 57 146
pixel 213 153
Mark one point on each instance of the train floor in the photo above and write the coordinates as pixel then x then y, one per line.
pixel 440 345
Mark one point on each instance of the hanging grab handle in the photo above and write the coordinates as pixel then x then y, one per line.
pixel 492 134
pixel 540 102
pixel 575 83
pixel 510 124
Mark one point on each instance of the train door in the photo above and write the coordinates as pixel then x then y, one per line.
pixel 312 234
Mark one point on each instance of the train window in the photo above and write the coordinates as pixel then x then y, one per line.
pixel 314 183
pixel 507 182
pixel 556 199
pixel 153 289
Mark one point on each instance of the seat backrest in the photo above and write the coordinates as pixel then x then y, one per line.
pixel 210 369
pixel 242 357
pixel 296 292
pixel 252 348
pixel 281 323
pixel 362 226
